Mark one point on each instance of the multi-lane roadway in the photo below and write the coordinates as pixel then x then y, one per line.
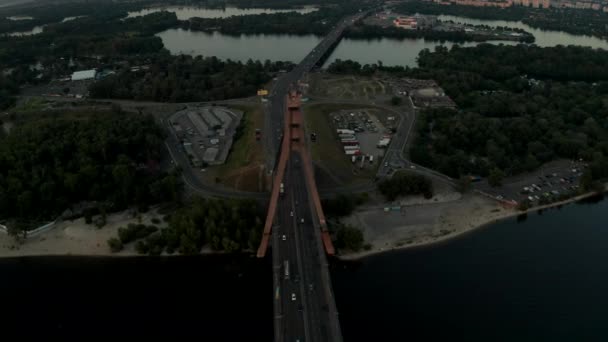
pixel 304 305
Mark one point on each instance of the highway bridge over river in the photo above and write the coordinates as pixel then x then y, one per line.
pixel 304 306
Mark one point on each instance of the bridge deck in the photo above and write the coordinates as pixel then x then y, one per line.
pixel 274 196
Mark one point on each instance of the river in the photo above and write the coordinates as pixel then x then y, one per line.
pixel 541 279
pixel 389 51
pixel 276 47
pixel 187 12
pixel 543 38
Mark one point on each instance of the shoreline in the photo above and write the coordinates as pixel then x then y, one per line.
pixel 76 239
pixel 433 241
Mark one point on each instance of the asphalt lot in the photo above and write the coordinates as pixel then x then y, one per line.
pixel 551 181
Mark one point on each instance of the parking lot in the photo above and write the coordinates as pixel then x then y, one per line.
pixel 362 131
pixel 206 133
pixel 555 181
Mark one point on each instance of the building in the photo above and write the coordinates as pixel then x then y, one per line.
pixel 84 75
pixel 408 23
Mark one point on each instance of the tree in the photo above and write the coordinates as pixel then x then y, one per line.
pixel 349 238
pixel 586 180
pixel 495 177
pixel 115 245
pixel 524 205
pixel 396 100
pixel 464 184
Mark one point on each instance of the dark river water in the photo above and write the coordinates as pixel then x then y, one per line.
pixel 541 279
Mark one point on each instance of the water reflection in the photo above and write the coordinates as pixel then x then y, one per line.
pixel 544 38
pixel 274 47
pixel 187 12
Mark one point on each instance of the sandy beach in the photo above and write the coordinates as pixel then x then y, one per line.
pixel 76 238
pixel 420 222
pixel 426 224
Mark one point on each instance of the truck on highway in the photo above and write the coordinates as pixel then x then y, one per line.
pixel 352 152
pixel 282 190
pixel 371 159
pixel 286 269
pixel 353 147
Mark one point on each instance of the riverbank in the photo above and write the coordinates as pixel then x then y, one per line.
pixel 430 224
pixel 77 238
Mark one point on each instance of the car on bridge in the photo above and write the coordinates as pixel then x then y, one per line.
pixel 293 296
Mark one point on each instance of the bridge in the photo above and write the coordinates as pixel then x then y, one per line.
pixel 304 306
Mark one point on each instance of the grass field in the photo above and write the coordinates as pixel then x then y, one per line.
pixel 327 151
pixel 242 169
pixel 349 87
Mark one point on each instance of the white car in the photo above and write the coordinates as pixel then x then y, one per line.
pixel 301 220
pixel 293 296
pixel 284 237
pixel 291 213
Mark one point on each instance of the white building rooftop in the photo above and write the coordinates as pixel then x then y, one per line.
pixel 84 75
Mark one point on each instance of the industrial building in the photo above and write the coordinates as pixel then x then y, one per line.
pixel 206 132
pixel 84 75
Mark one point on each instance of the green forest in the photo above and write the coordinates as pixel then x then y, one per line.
pixel 89 35
pixel 56 160
pixel 186 78
pixel 573 21
pixel 519 107
pixel 224 225
pixel 405 183
pixel 318 22
pixel 363 31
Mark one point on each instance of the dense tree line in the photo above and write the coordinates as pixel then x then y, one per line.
pixel 349 238
pixel 318 22
pixel 186 78
pixel 573 21
pixel 282 4
pixel 44 14
pixel 363 31
pixel 50 163
pixel 343 205
pixel 406 183
pixel 223 225
pixel 92 35
pixel 8 88
pixel 519 107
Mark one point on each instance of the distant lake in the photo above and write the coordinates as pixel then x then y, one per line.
pixel 35 30
pixel 275 47
pixel 20 17
pixel 72 18
pixel 187 12
pixel 544 38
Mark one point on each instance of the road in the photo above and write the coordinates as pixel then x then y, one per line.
pixel 312 316
pixel 275 107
